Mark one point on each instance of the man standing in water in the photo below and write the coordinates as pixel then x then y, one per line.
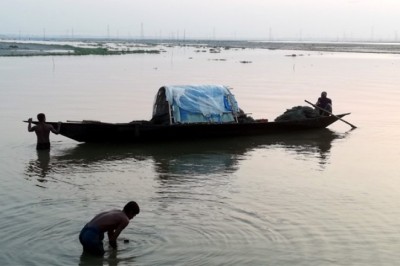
pixel 42 131
pixel 112 222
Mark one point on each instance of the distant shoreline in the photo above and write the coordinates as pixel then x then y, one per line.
pixel 12 48
pixel 17 49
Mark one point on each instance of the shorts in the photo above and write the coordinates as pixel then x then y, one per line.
pixel 91 239
pixel 43 146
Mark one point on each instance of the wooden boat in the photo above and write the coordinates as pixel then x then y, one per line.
pixel 189 112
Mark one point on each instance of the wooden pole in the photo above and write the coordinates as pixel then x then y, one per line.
pixel 352 126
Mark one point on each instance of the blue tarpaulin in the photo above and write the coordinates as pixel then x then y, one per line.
pixel 201 103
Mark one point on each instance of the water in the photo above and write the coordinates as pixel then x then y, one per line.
pixel 324 198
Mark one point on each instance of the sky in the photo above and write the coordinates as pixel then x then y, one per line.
pixel 372 20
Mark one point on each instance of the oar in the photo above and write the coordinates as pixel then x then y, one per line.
pixel 352 126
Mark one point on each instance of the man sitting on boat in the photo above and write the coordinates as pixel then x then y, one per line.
pixel 325 103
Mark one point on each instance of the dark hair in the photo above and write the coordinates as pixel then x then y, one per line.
pixel 41 117
pixel 132 207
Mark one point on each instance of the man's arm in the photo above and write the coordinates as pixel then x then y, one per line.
pixel 30 128
pixel 113 235
pixel 113 243
pixel 56 131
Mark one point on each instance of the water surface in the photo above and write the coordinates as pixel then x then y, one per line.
pixel 330 197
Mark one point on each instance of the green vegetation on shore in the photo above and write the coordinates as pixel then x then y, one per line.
pixel 105 51
pixel 34 49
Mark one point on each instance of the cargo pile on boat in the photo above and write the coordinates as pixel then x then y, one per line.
pixel 297 113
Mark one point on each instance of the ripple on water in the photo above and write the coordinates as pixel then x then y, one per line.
pixel 210 228
pixel 40 231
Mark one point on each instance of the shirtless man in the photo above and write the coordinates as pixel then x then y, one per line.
pixel 42 131
pixel 112 222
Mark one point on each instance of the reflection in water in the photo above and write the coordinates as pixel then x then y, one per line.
pixel 200 157
pixel 184 199
pixel 87 259
pixel 317 144
pixel 109 259
pixel 40 167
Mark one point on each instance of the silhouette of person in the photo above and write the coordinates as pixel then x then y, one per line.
pixel 42 131
pixel 325 103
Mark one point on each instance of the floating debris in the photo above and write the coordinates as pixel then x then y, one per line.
pixel 294 55
pixel 215 50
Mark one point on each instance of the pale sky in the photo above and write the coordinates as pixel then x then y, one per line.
pixel 215 19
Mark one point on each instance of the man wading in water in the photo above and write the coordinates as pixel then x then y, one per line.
pixel 112 222
pixel 42 131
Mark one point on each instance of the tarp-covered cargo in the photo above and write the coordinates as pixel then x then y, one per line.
pixel 195 104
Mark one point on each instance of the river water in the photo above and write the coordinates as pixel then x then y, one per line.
pixel 330 197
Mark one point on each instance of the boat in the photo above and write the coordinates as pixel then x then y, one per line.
pixel 190 112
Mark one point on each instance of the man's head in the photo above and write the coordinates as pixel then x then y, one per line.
pixel 323 94
pixel 131 209
pixel 41 117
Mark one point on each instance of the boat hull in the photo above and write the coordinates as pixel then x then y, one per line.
pixel 145 131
